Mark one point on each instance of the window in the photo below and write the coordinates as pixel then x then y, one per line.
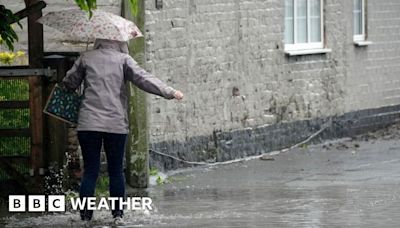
pixel 303 25
pixel 359 20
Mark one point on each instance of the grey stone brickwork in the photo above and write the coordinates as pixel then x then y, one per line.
pixel 210 48
pixel 227 56
pixel 373 72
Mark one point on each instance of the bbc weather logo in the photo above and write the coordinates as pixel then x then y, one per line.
pixel 56 203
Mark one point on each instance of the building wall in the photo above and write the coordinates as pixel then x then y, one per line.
pixel 210 48
pixel 374 72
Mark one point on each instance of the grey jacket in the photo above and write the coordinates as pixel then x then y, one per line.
pixel 105 71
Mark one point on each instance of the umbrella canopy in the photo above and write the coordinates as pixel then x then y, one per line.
pixel 104 25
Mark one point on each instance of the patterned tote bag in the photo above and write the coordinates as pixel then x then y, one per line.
pixel 63 104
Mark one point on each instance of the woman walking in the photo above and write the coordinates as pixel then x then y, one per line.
pixel 103 116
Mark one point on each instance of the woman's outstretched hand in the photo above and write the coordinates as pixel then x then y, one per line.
pixel 178 95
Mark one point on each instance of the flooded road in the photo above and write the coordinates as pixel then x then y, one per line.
pixel 343 183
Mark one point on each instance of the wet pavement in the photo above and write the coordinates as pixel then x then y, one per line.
pixel 342 183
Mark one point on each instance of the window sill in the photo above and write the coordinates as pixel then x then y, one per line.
pixel 308 51
pixel 362 43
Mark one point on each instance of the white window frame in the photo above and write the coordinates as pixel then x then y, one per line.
pixel 362 36
pixel 311 45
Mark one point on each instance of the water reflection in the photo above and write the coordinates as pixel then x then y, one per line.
pixel 269 206
pixel 327 189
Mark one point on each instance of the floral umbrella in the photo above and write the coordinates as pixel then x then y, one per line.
pixel 104 25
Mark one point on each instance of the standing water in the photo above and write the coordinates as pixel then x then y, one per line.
pixel 344 183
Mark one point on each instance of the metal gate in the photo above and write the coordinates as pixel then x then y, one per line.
pixel 21 125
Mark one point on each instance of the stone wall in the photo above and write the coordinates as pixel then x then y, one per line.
pixel 373 78
pixel 227 56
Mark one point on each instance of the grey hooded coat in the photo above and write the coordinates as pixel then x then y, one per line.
pixel 105 71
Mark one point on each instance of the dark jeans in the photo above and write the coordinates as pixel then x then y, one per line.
pixel 114 146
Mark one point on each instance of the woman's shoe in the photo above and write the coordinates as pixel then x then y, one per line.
pixel 118 217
